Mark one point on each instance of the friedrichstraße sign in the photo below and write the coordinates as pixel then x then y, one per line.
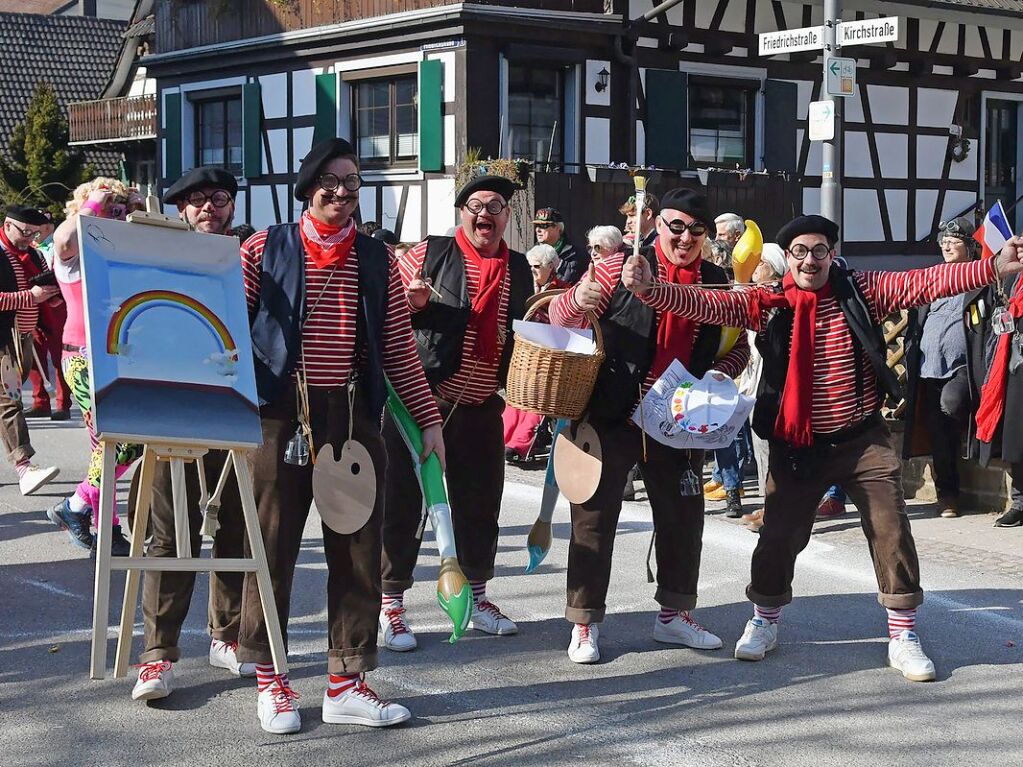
pixel 863 32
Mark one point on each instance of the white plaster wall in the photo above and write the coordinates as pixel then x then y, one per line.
pixel 598 138
pixel 967 169
pixel 274 91
pixel 449 139
pixel 411 224
pixel 448 71
pixel 261 208
pixel 861 216
pixel 368 203
pixel 303 91
pixel 440 202
pixel 926 200
pixel 387 216
pixel 897 201
pixel 857 155
pixel 283 202
pixel 640 143
pixel 811 200
pixel 930 156
pixel 892 154
pixel 241 206
pixel 278 141
pixel 302 142
pixel 935 107
pixel 955 202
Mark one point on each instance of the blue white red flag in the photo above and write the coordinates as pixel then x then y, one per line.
pixel 994 232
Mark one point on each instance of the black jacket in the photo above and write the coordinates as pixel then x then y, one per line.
pixel 9 284
pixel 574 263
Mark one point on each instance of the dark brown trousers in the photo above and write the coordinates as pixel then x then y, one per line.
pixel 869 470
pixel 166 596
pixel 474 443
pixel 678 524
pixel 284 495
pixel 13 426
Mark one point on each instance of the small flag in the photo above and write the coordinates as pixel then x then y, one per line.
pixel 994 232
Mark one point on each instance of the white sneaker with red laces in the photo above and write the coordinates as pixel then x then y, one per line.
pixel 583 647
pixel 224 655
pixel 683 630
pixel 397 634
pixel 360 705
pixel 276 710
pixel 156 680
pixel 486 617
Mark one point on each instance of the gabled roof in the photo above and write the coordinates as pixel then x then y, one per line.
pixel 75 54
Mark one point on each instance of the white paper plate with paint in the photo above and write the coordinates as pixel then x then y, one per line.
pixel 703 406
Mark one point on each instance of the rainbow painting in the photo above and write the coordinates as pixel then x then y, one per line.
pixel 129 311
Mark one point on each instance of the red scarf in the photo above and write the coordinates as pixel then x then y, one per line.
pixel 992 394
pixel 27 263
pixel 487 301
pixel 793 422
pixel 675 334
pixel 320 251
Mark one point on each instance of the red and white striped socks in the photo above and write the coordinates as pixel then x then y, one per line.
pixel 339 684
pixel 391 600
pixel 900 620
pixel 265 676
pixel 667 614
pixel 479 591
pixel 22 466
pixel 769 614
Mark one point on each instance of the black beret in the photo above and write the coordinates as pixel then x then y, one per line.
pixel 500 184
pixel 206 177
pixel 548 216
pixel 385 235
pixel 807 225
pixel 322 153
pixel 27 215
pixel 687 201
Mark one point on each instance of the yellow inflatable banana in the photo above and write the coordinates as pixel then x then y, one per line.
pixel 746 253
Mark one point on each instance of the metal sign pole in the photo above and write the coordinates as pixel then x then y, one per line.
pixel 831 170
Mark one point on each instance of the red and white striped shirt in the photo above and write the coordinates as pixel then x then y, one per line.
pixel 564 311
pixel 835 402
pixel 21 299
pixel 475 380
pixel 328 335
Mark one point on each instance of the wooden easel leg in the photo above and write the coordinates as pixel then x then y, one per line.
pixel 181 528
pixel 143 503
pixel 266 594
pixel 101 593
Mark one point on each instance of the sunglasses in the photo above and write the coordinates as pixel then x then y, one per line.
pixel 819 251
pixel 331 183
pixel 678 226
pixel 35 236
pixel 219 198
pixel 545 226
pixel 594 248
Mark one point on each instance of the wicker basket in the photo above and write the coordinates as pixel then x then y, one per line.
pixel 552 382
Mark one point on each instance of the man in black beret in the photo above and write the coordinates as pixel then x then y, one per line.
pixel 825 377
pixel 205 199
pixel 464 292
pixel 19 317
pixel 640 344
pixel 549 225
pixel 329 321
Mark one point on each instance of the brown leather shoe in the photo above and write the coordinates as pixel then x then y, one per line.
pixel 949 507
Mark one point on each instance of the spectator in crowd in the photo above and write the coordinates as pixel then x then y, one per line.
pixel 730 227
pixel 720 253
pixel 47 342
pixel 386 236
pixel 243 232
pixel 939 400
pixel 602 241
pixel 549 225
pixel 647 221
pixel 368 227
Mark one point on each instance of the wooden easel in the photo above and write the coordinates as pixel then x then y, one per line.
pixel 178 453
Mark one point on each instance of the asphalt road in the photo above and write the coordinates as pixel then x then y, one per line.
pixel 824 698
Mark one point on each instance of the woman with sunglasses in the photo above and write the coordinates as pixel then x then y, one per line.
pixel 603 241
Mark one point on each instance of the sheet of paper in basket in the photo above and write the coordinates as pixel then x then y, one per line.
pixel 564 339
pixel 660 422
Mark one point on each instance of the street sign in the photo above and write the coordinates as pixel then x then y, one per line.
pixel 841 76
pixel 883 30
pixel 791 41
pixel 865 32
pixel 822 121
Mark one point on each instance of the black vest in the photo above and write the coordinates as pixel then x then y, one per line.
pixel 277 324
pixel 629 327
pixel 9 284
pixel 440 326
pixel 776 340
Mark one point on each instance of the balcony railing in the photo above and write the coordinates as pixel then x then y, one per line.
pixel 107 120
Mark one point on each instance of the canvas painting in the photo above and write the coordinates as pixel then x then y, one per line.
pixel 168 335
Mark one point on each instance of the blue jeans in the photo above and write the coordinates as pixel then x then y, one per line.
pixel 730 462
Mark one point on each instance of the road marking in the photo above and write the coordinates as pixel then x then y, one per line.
pixel 49 587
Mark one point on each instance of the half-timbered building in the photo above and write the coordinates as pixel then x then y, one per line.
pixel 933 130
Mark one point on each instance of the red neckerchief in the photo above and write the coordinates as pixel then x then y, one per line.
pixel 793 422
pixel 675 334
pixel 484 310
pixel 326 244
pixel 992 394
pixel 24 256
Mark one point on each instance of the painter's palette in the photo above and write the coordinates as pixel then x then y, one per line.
pixel 703 406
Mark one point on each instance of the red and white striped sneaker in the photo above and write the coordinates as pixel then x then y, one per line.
pixel 156 680
pixel 275 709
pixel 486 617
pixel 398 635
pixel 359 704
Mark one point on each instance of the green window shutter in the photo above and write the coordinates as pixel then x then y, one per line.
pixel 667 119
pixel 172 137
pixel 252 144
pixel 325 126
pixel 431 115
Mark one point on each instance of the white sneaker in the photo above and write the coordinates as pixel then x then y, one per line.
pixel 223 655
pixel 490 620
pixel 759 638
pixel 277 714
pixel 360 705
pixel 583 647
pixel 397 634
pixel 35 477
pixel 906 655
pixel 156 680
pixel 683 630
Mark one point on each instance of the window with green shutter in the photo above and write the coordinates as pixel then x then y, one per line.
pixel 431 116
pixel 172 136
pixel 326 108
pixel 252 140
